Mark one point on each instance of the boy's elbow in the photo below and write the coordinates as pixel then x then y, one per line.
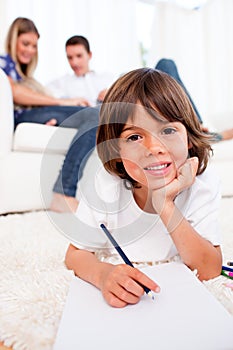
pixel 208 275
pixel 213 269
pixel 67 261
pixel 70 256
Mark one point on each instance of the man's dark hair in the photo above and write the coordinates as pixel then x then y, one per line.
pixel 78 40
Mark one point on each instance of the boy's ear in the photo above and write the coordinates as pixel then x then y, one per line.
pixel 190 145
pixel 119 164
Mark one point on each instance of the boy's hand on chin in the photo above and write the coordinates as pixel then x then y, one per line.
pixel 185 178
pixel 187 172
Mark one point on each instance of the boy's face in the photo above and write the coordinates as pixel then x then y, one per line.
pixel 151 150
pixel 78 58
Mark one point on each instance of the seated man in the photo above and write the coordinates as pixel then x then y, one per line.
pixel 85 82
pixel 92 87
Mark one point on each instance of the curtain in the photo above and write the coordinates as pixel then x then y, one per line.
pixel 109 25
pixel 200 42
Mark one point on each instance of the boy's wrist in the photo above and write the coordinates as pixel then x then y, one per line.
pixel 99 272
pixel 171 217
pixel 163 205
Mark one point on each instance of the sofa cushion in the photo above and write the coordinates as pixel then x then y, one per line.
pixel 32 137
pixel 223 151
pixel 6 114
pixel 219 121
pixel 222 162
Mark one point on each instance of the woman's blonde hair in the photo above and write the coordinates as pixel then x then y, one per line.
pixel 20 26
pixel 163 98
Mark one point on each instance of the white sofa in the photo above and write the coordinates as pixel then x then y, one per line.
pixel 222 160
pixel 22 155
pixel 30 158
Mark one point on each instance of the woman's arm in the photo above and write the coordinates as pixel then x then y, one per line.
pixel 25 96
pixel 119 284
pixel 195 251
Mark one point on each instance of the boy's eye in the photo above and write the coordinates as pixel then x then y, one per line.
pixel 133 138
pixel 168 131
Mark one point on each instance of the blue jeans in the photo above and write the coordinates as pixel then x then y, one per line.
pixel 168 66
pixel 79 151
pixel 42 115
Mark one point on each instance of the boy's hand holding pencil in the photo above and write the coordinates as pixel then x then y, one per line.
pixel 122 284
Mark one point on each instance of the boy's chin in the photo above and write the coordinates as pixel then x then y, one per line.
pixel 158 186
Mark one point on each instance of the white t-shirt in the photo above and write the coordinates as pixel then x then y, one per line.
pixel 141 235
pixel 87 86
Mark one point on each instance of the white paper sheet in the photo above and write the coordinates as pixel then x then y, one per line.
pixel 183 316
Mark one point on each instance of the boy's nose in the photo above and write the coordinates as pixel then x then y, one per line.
pixel 154 145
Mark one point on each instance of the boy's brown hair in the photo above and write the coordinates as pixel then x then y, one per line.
pixel 163 98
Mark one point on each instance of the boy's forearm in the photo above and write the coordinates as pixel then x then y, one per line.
pixel 195 251
pixel 86 266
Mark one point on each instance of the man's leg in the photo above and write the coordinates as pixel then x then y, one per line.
pixel 168 66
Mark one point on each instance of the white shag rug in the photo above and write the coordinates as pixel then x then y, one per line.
pixel 34 281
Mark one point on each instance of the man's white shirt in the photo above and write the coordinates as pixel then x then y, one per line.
pixel 87 86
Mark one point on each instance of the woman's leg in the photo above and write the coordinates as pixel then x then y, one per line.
pixel 42 115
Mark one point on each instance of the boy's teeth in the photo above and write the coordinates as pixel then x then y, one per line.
pixel 157 167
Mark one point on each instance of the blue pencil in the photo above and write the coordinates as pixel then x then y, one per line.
pixel 226 268
pixel 123 256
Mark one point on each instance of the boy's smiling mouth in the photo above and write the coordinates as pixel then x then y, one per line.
pixel 155 167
